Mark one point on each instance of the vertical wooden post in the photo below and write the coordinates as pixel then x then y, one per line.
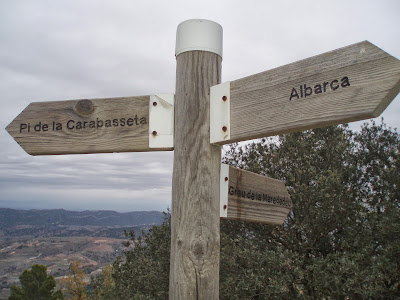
pixel 195 236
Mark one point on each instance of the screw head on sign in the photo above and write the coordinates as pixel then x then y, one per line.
pixel 225 206
pixel 154 133
pixel 224 128
pixel 226 178
pixel 224 98
pixel 154 103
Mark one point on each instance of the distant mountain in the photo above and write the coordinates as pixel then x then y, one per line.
pixel 14 217
pixel 60 222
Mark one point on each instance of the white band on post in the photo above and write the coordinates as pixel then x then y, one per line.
pixel 198 34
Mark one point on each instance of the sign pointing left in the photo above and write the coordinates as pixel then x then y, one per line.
pixel 126 124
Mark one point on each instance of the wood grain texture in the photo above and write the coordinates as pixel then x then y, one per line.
pixel 84 126
pixel 195 238
pixel 256 198
pixel 261 104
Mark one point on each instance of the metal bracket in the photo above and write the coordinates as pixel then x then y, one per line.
pixel 161 121
pixel 223 190
pixel 220 112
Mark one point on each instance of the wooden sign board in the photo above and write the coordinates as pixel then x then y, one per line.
pixel 247 196
pixel 95 126
pixel 349 84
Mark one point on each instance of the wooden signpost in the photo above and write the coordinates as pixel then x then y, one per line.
pixel 348 84
pixel 247 196
pixel 96 126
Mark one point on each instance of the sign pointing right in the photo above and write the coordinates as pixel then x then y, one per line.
pixel 349 84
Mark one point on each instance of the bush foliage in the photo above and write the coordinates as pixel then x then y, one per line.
pixel 36 285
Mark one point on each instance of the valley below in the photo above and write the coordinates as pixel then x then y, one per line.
pixel 27 240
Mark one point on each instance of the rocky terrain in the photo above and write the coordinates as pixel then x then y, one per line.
pixel 56 237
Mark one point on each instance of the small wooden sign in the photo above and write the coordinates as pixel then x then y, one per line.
pixel 247 196
pixel 349 84
pixel 95 126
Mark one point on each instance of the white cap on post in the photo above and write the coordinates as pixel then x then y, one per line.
pixel 198 34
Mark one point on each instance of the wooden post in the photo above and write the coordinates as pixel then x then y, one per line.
pixel 195 236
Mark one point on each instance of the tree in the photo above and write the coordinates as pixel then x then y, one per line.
pixel 74 284
pixel 102 286
pixel 36 285
pixel 340 241
pixel 143 272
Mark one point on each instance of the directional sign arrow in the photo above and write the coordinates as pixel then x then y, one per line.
pixel 124 124
pixel 349 84
pixel 247 196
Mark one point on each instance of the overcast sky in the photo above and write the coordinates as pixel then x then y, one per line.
pixel 61 50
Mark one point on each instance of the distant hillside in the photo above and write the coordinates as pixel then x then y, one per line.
pixel 14 217
pixel 63 223
pixel 57 237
